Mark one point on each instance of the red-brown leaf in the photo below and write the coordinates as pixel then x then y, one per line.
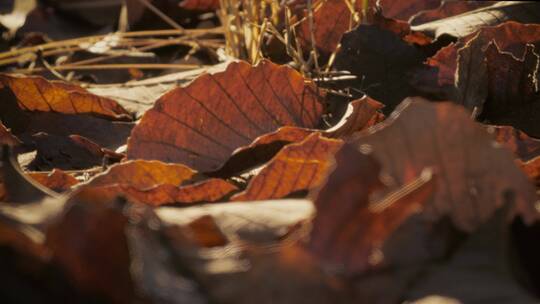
pixel 202 124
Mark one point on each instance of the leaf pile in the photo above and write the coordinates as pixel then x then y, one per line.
pixel 388 152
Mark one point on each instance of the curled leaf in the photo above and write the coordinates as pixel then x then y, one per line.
pixel 202 124
pixel 300 166
pixel 470 187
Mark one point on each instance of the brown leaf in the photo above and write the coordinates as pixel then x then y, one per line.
pixel 523 146
pixel 89 243
pixel 510 37
pixel 350 226
pixel 6 138
pixel 15 187
pixel 57 180
pixel 67 153
pixel 474 177
pixel 381 61
pixel 202 124
pixel 465 24
pixel 25 123
pixel 531 168
pixel 360 114
pixel 211 190
pixel 448 9
pixel 513 92
pixel 156 183
pixel 143 174
pixel 332 18
pixel 300 166
pixel 205 232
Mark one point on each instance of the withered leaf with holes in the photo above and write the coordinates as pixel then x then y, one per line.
pixel 297 167
pixel 202 124
pixel 474 176
pixel 32 104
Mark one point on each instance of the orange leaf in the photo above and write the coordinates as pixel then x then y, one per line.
pixel 202 124
pixel 143 174
pixel 156 183
pixel 57 180
pixel 35 93
pixel 300 166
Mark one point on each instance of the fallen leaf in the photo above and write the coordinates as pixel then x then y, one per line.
pixel 510 37
pixel 254 222
pixel 211 190
pixel 350 226
pixel 6 138
pixel 359 115
pixel 513 93
pixel 381 61
pixel 205 232
pixel 300 166
pixel 447 9
pixel 15 187
pixel 143 174
pixel 35 93
pixel 202 124
pixel 73 152
pixel 531 168
pixel 443 137
pixel 28 115
pixel 332 18
pixel 57 180
pixel 483 266
pixel 523 146
pixel 155 183
pixel 465 24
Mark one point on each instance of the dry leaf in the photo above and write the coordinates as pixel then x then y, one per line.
pixel 381 61
pixel 523 146
pixel 15 187
pixel 300 166
pixel 155 183
pixel 57 180
pixel 448 9
pixel 359 115
pixel 202 124
pixel 350 226
pixel 465 24
pixel 470 187
pixel 35 93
